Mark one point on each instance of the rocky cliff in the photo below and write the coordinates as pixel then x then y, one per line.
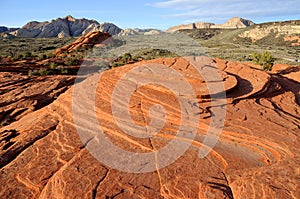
pixel 232 23
pixel 63 27
pixel 273 30
pixel 110 28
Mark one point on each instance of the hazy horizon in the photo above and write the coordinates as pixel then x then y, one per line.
pixel 159 14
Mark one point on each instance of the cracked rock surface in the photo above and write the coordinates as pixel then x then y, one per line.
pixel 257 154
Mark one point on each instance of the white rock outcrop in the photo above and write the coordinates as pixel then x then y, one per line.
pixel 110 28
pixel 232 23
pixel 60 27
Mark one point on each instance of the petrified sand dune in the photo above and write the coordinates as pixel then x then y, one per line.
pixel 256 156
pixel 84 42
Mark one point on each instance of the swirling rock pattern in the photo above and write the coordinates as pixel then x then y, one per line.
pixel 257 154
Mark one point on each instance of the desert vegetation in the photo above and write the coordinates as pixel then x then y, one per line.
pixel 227 44
pixel 141 54
pixel 265 60
pixel 37 47
pixel 121 50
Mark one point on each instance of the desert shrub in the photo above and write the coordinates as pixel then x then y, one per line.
pixel 155 53
pixel 137 58
pixel 3 123
pixel 33 73
pixel 43 71
pixel 53 66
pixel 79 56
pixel 126 57
pixel 264 59
pixel 116 64
pixel 43 57
pixel 149 57
pixel 64 71
pixel 27 55
pixel 17 57
pixel 71 61
pixel 50 55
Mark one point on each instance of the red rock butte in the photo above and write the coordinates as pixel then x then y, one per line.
pixel 257 154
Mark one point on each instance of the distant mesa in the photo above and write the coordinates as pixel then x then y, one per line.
pixel 62 27
pixel 137 31
pixel 232 23
pixel 72 27
pixel 290 30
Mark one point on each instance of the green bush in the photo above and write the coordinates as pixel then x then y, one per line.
pixel 27 54
pixel 71 61
pixel 116 64
pixel 64 71
pixel 53 66
pixel 137 58
pixel 50 55
pixel 17 57
pixel 43 71
pixel 264 59
pixel 42 57
pixel 33 73
pixel 3 123
pixel 126 57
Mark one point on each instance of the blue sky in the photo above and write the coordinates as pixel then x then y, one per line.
pixel 146 13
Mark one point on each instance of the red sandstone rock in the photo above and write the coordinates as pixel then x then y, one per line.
pixel 85 42
pixel 257 154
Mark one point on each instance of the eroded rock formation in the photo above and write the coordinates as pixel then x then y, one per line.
pixel 276 29
pixel 84 42
pixel 67 26
pixel 232 23
pixel 62 27
pixel 257 154
pixel 110 28
pixel 22 94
